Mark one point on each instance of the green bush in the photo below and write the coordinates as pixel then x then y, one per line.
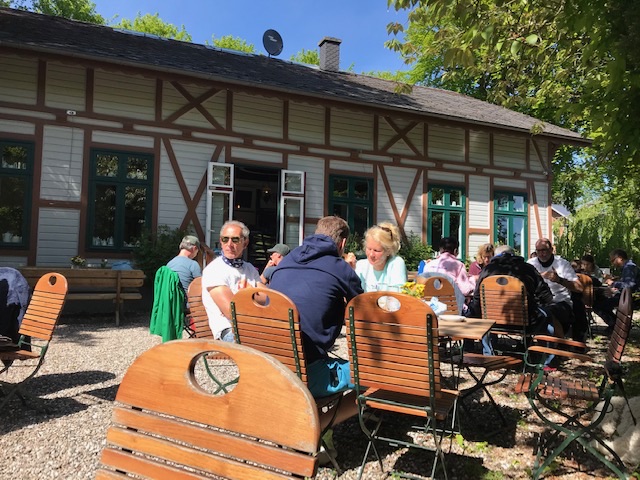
pixel 413 251
pixel 155 249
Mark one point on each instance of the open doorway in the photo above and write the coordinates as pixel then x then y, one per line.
pixel 255 203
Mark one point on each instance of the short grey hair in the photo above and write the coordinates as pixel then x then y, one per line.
pixel 188 242
pixel 504 249
pixel 236 223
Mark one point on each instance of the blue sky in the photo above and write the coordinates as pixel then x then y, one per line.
pixel 360 24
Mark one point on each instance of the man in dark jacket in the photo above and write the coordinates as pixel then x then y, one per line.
pixel 320 283
pixel 505 262
pixel 316 278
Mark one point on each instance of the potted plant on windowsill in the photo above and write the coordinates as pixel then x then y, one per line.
pixel 78 262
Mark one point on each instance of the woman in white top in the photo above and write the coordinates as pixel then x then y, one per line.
pixel 383 269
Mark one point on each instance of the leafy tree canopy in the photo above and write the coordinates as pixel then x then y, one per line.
pixel 154 25
pixel 310 57
pixel 233 43
pixel 575 63
pixel 83 10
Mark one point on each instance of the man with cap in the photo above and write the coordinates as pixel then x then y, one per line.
pixel 278 252
pixel 184 264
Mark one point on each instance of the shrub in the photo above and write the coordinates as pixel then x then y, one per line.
pixel 155 249
pixel 413 251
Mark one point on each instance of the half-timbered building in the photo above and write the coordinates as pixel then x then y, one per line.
pixel 104 132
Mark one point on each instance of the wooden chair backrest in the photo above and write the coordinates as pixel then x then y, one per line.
pixel 393 350
pixel 45 307
pixel 442 288
pixel 587 290
pixel 503 298
pixel 199 318
pixel 272 328
pixel 622 327
pixel 167 426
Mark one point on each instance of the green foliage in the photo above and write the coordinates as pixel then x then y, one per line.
pixel 155 249
pixel 598 228
pixel 354 244
pixel 574 64
pixel 413 251
pixel 233 43
pixel 154 25
pixel 82 10
pixel 309 57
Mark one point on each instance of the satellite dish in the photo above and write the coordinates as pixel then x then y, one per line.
pixel 272 42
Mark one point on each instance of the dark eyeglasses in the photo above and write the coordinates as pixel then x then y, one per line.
pixel 235 240
pixel 542 250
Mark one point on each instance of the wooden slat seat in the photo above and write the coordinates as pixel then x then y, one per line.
pixel 96 284
pixel 198 321
pixel 395 367
pixel 36 331
pixel 550 393
pixel 185 432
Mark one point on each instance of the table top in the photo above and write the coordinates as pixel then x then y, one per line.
pixel 470 328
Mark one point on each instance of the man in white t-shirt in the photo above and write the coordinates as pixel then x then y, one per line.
pixel 562 280
pixel 223 277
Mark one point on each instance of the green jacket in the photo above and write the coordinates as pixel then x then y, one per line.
pixel 167 314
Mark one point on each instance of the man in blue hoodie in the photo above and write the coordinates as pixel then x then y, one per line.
pixel 320 283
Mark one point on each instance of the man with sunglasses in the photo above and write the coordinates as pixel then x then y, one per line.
pixel 223 277
pixel 562 280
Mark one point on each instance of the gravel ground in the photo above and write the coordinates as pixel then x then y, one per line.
pixel 87 360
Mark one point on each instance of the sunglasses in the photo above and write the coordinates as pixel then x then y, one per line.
pixel 235 240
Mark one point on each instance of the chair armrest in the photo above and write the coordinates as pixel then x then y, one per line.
pixel 562 343
pixel 561 353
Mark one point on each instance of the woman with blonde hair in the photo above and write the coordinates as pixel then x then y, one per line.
pixel 483 256
pixel 383 269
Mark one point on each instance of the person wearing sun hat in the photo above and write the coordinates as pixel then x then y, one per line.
pixel 278 252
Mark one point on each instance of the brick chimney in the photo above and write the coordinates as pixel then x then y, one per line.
pixel 330 54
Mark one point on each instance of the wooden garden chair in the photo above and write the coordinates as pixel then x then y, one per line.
pixel 395 367
pixel 580 403
pixel 36 330
pixel 197 321
pixel 166 425
pixel 268 321
pixel 587 298
pixel 441 287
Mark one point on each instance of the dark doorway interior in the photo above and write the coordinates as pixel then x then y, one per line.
pixel 256 204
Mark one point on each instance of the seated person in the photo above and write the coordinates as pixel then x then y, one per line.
pixel 382 269
pixel 589 267
pixel 184 264
pixel 447 262
pixel 562 280
pixel 278 252
pixel 506 262
pixel 629 277
pixel 223 277
pixel 483 257
pixel 317 279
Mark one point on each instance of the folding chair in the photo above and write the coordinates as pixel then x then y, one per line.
pixel 441 287
pixel 197 321
pixel 587 298
pixel 270 323
pixel 393 348
pixel 167 425
pixel 36 331
pixel 579 402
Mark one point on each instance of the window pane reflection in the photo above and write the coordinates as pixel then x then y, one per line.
pixel 134 213
pixel 106 165
pixel 361 190
pixel 137 168
pixel 518 203
pixel 437 196
pixel 105 212
pixel 340 188
pixel 14 156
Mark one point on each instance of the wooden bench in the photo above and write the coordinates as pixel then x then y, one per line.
pixel 95 284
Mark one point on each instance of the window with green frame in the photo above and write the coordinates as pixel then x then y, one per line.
pixel 446 215
pixel 510 221
pixel 351 198
pixel 16 178
pixel 120 193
